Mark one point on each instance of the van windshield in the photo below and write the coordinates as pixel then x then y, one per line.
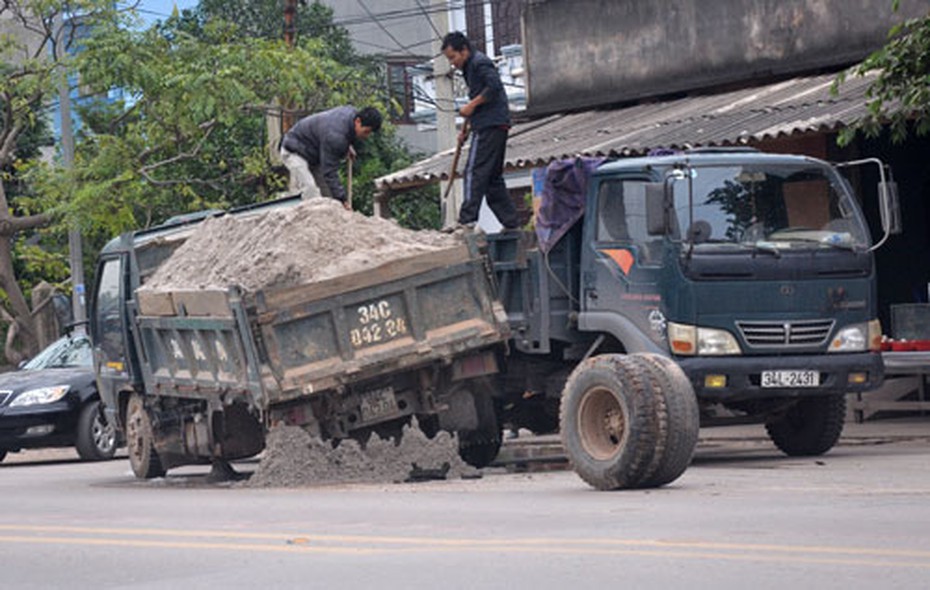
pixel 767 206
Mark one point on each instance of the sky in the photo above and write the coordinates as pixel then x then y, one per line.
pixel 153 10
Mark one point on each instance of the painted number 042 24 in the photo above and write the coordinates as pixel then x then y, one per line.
pixel 377 323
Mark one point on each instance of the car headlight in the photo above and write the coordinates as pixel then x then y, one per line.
pixel 691 340
pixel 43 395
pixel 858 337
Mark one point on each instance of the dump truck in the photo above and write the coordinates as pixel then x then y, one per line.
pixel 751 272
pixel 200 375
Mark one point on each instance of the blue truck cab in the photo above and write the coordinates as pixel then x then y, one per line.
pixel 754 272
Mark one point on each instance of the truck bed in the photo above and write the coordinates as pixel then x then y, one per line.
pixel 277 345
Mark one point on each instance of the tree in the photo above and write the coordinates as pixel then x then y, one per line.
pixel 416 209
pixel 35 51
pixel 900 94
pixel 188 132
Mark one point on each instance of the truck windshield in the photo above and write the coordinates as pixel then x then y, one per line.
pixel 768 207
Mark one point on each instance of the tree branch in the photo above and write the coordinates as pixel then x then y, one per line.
pixel 145 170
pixel 10 226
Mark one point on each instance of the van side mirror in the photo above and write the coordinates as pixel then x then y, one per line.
pixel 656 210
pixel 889 206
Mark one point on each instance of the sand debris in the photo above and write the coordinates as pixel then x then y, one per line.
pixel 312 241
pixel 294 458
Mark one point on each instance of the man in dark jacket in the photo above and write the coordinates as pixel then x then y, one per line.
pixel 489 116
pixel 315 146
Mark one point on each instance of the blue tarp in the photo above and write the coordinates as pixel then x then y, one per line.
pixel 563 198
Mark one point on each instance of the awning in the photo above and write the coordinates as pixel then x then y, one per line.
pixel 741 117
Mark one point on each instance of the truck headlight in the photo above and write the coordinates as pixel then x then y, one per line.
pixel 858 338
pixel 691 340
pixel 43 395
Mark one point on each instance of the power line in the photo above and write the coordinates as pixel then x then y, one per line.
pixel 381 26
pixel 428 19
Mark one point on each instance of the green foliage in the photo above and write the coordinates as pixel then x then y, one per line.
pixel 382 154
pixel 174 119
pixel 900 95
pixel 190 132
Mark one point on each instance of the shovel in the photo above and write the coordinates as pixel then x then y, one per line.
pixel 455 161
pixel 349 185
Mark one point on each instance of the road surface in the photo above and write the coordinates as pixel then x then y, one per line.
pixel 742 516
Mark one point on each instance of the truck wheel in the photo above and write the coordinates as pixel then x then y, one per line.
pixel 608 422
pixel 140 440
pixel 682 421
pixel 811 427
pixel 480 447
pixel 96 440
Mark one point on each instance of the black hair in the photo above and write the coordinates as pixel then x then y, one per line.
pixel 457 41
pixel 370 117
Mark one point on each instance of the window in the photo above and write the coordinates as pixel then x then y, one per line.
pixel 621 217
pixel 800 205
pixel 108 324
pixel 400 88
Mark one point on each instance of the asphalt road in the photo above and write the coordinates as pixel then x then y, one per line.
pixel 742 516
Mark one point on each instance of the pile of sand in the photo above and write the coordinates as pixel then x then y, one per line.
pixel 309 242
pixel 294 458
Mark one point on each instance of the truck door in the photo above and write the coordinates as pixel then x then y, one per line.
pixel 623 263
pixel 108 330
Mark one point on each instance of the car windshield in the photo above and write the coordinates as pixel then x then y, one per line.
pixel 799 206
pixel 69 351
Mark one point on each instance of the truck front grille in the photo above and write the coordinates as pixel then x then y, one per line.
pixel 792 333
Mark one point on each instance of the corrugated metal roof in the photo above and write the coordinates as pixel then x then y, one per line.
pixel 750 115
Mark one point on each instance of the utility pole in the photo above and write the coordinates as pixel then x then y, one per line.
pixel 290 38
pixel 75 247
pixel 446 134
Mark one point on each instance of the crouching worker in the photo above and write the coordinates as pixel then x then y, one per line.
pixel 314 148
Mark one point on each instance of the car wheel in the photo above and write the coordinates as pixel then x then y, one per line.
pixel 96 439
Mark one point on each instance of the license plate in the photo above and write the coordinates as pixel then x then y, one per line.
pixel 790 379
pixel 378 403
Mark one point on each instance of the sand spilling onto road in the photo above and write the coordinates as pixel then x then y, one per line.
pixel 294 458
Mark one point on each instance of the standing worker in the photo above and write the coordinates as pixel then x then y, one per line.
pixel 489 115
pixel 315 146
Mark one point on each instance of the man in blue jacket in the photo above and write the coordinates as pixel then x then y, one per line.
pixel 489 116
pixel 315 146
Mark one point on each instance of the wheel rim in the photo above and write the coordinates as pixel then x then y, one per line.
pixel 135 437
pixel 103 434
pixel 601 423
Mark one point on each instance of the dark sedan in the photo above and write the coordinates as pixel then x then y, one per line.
pixel 52 401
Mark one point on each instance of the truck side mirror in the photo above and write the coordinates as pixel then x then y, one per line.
pixel 656 210
pixel 889 207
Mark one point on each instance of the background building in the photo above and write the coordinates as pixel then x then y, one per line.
pixel 404 34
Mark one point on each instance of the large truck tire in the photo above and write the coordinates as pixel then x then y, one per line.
pixel 96 440
pixel 480 447
pixel 609 424
pixel 811 427
pixel 682 422
pixel 140 440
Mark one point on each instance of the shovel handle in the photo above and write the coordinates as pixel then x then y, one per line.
pixel 455 159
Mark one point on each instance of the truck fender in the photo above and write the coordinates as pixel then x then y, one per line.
pixel 620 327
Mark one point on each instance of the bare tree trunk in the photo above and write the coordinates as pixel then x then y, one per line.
pixel 25 332
pixel 46 323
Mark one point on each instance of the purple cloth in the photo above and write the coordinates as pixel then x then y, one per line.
pixel 563 198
